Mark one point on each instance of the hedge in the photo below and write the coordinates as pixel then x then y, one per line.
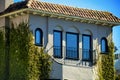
pixel 26 61
pixel 2 56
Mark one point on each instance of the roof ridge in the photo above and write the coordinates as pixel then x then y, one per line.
pixel 71 6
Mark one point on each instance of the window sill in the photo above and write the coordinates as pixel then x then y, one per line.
pixel 104 52
pixel 72 58
pixel 39 45
pixel 57 56
pixel 88 60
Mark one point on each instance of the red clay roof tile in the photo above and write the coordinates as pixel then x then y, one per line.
pixel 61 9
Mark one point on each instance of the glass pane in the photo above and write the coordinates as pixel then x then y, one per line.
pixel 57 44
pixel 57 39
pixel 38 36
pixel 86 42
pixel 72 45
pixel 86 47
pixel 103 45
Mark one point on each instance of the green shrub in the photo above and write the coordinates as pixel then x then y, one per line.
pixel 18 58
pixel 2 56
pixel 26 61
pixel 117 77
pixel 106 66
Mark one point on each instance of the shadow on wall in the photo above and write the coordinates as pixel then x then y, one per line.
pixel 56 72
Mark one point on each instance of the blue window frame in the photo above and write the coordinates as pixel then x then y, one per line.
pixel 57 43
pixel 38 37
pixel 104 45
pixel 86 47
pixel 72 45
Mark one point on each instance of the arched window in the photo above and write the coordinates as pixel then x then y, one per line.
pixel 104 45
pixel 38 37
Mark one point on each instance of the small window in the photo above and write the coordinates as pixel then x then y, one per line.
pixel 38 37
pixel 104 45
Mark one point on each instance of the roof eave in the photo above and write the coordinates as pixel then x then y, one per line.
pixel 66 17
pixel 12 13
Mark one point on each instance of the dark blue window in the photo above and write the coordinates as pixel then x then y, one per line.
pixel 57 43
pixel 86 47
pixel 38 37
pixel 72 45
pixel 104 45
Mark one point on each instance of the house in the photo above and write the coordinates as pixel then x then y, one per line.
pixel 73 37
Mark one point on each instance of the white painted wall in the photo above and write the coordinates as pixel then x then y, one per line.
pixel 39 22
pixel 19 19
pixel 77 73
pixel 59 71
pixel 2 22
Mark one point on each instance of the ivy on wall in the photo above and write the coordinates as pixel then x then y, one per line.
pixel 106 65
pixel 26 61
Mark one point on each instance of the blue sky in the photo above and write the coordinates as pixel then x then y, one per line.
pixel 104 5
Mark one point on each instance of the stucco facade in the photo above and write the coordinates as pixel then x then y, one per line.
pixel 63 68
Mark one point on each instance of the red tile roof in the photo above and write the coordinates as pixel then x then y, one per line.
pixel 62 9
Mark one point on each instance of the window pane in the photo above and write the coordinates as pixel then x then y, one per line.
pixel 86 47
pixel 57 44
pixel 38 37
pixel 72 45
pixel 57 39
pixel 103 45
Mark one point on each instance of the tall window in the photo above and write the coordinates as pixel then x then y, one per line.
pixel 72 45
pixel 86 47
pixel 57 43
pixel 104 45
pixel 38 37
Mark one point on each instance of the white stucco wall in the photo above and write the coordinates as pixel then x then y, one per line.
pixel 39 22
pixel 19 19
pixel 59 71
pixel 77 73
pixel 2 23
pixel 71 72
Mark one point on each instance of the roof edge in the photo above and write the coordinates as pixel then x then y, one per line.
pixel 60 15
pixel 115 23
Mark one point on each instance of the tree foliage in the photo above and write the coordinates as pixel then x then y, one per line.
pixel 117 77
